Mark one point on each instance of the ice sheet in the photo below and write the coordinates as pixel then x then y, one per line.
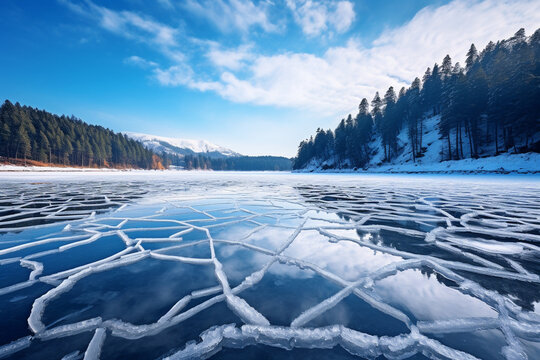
pixel 432 253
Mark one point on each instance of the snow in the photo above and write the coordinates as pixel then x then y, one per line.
pixel 49 169
pixel 156 143
pixel 504 163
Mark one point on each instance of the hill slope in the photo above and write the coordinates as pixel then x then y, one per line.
pixel 31 134
pixel 430 162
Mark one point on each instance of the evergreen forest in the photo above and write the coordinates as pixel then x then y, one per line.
pixel 31 134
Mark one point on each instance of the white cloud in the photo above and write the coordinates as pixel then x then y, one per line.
pixel 140 62
pixel 343 16
pixel 228 15
pixel 167 4
pixel 183 75
pixel 333 82
pixel 233 59
pixel 127 24
pixel 315 17
pixel 174 76
pixel 337 80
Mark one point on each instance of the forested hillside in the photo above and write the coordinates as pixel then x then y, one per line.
pixel 28 133
pixel 488 106
pixel 238 163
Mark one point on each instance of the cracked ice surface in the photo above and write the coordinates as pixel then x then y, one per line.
pixel 224 265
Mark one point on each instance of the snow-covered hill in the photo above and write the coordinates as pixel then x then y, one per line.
pixel 181 146
pixel 432 159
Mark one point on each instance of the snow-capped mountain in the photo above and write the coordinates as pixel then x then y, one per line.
pixel 181 146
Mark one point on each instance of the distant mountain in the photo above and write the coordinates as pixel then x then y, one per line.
pixel 181 147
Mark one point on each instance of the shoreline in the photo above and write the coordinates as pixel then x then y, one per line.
pixel 9 168
pixel 526 163
pixel 434 172
pixel 294 172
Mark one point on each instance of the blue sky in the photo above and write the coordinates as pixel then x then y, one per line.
pixel 254 76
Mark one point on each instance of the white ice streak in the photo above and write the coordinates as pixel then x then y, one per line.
pixel 94 348
pixel 37 268
pixel 356 343
pixel 15 346
pixel 322 307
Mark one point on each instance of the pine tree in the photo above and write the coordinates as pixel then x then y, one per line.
pixel 386 124
pixel 5 135
pixel 477 100
pixel 341 141
pixel 363 130
pixel 24 147
pixel 44 147
pixel 376 106
pixel 414 105
pixel 472 57
pixel 446 68
pixel 376 111
pixel 431 91
pixel 363 108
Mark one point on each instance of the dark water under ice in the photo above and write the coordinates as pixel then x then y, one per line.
pixel 269 266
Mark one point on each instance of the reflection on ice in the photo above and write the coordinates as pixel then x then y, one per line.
pixel 355 267
pixel 422 295
pixel 346 259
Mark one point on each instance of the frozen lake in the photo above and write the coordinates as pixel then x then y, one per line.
pixel 148 265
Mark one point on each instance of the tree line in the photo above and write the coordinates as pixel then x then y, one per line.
pixel 488 106
pixel 237 163
pixel 32 134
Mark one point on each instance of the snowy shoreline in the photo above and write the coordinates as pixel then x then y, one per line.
pixel 21 168
pixel 528 163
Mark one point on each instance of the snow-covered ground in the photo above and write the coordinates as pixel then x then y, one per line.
pixel 49 169
pixel 517 163
pixel 528 163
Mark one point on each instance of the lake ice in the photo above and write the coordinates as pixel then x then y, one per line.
pixel 180 265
